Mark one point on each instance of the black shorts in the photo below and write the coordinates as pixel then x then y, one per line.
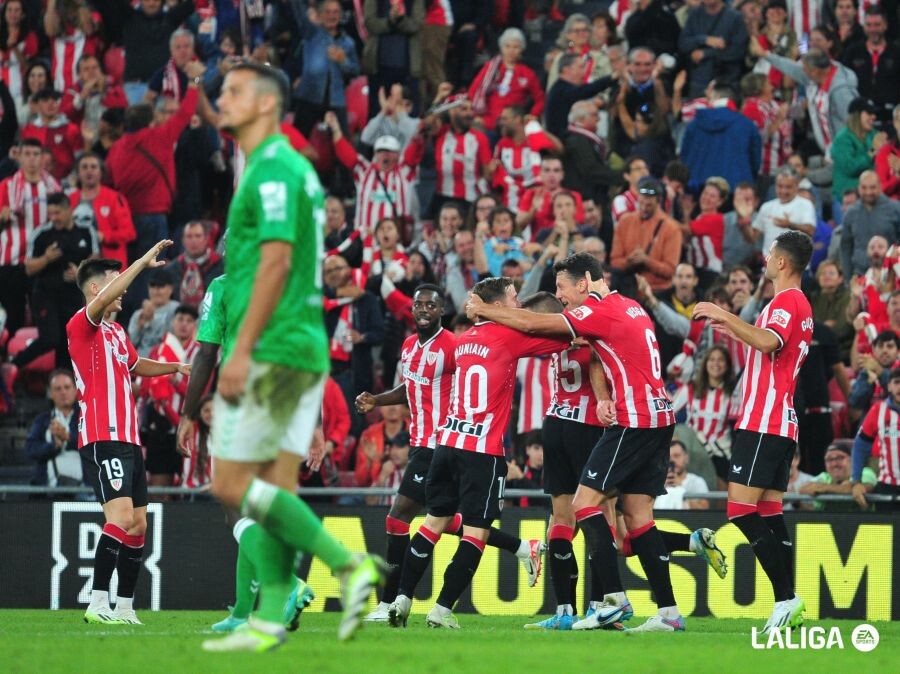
pixel 567 447
pixel 413 484
pixel 162 456
pixel 630 460
pixel 721 466
pixel 117 471
pixel 761 460
pixel 466 482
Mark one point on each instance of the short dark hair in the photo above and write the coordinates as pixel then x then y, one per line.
pixel 798 247
pixel 46 94
pixel 138 117
pixel 272 75
pixel 455 206
pixel 676 170
pixel 543 303
pixel 430 287
pixel 626 167
pixel 492 289
pixel 460 320
pixel 895 374
pixel 876 10
pixel 92 268
pixel 533 438
pixel 886 336
pixel 568 59
pixel 188 309
pixel 31 142
pixel 66 372
pixel 579 264
pixel 59 199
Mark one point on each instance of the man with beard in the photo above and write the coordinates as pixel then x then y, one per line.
pixel 427 364
pixel 874 214
pixel 462 155
pixel 517 156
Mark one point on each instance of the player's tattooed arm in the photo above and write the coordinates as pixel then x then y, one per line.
pixel 366 401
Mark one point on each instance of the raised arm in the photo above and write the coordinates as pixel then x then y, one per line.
pixel 114 289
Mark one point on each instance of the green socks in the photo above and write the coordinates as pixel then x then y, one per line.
pixel 246 585
pixel 292 522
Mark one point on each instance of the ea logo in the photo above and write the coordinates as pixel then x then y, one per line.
pixel 864 638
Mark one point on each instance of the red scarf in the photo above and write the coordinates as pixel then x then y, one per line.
pixel 193 284
pixel 590 135
pixel 487 85
pixel 339 346
pixel 18 189
pixel 171 84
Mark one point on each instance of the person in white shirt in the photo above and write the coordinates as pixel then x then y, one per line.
pixel 680 482
pixel 786 211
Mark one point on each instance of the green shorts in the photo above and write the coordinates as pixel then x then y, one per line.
pixel 279 410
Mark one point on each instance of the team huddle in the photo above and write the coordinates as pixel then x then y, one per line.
pixel 607 431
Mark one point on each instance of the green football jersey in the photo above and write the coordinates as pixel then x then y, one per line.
pixel 213 323
pixel 279 198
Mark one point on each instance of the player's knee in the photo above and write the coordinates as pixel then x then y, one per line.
pixel 138 524
pixel 122 518
pixel 226 493
pixel 404 509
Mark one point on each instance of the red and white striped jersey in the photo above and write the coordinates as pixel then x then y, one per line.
pixel 103 358
pixel 573 396
pixel 427 372
pixel 705 246
pixel 769 381
pixel 776 146
pixel 67 49
pixel 708 414
pixel 623 336
pixel 804 15
pixel 622 204
pixel 882 424
pixel 519 168
pixel 535 376
pixel 167 393
pixel 459 161
pixel 378 195
pixel 12 69
pixel 193 475
pixel 486 357
pixel 689 109
pixel 28 209
pixel 438 13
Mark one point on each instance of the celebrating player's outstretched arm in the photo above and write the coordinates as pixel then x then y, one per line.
pixel 726 322
pixel 110 295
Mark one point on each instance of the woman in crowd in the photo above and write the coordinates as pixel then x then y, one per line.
pixel 709 404
pixel 705 234
pixel 853 151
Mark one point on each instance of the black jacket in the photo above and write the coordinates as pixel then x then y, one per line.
pixel 587 171
pixel 654 27
pixel 882 87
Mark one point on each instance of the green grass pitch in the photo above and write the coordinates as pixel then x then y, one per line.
pixel 48 642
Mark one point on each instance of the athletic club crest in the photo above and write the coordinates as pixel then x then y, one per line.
pixel 430 357
pixel 116 483
pixel 104 211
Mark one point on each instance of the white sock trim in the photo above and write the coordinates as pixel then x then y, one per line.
pixel 259 499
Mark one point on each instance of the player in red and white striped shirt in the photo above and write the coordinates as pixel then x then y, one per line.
pixel 766 437
pixel 427 364
pixel 535 376
pixel 631 457
pixel 879 435
pixel 771 119
pixel 103 360
pixel 706 233
pixel 804 15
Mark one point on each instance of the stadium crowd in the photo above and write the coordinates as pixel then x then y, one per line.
pixel 459 140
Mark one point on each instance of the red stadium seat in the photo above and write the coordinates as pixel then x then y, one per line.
pixel 114 63
pixel 34 376
pixel 357 94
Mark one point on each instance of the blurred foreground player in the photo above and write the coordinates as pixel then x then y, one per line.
pixel 428 363
pixel 103 359
pixel 766 433
pixel 275 361
pixel 210 336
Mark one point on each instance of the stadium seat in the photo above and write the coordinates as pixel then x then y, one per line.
pixel 357 94
pixel 34 375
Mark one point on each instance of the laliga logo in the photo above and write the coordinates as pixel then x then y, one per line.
pixel 864 638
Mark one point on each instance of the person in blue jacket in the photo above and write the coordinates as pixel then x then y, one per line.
pixel 52 441
pixel 721 142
